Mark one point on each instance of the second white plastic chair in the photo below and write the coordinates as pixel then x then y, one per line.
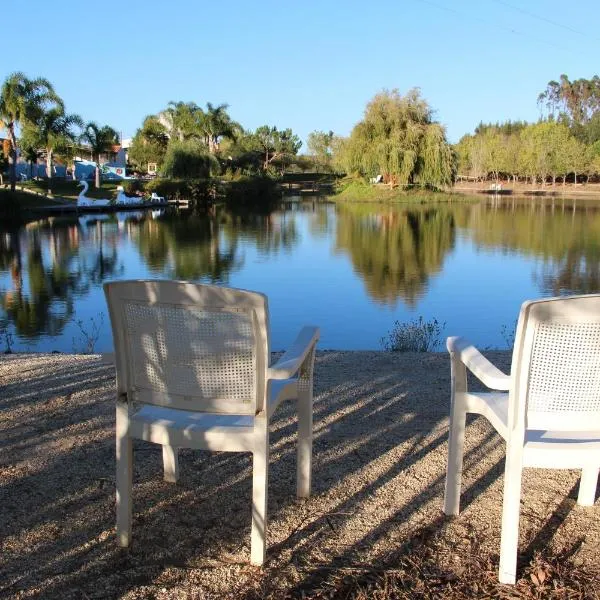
pixel 547 410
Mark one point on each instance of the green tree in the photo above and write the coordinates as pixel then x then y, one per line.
pixel 29 146
pixel 576 100
pixel 276 145
pixel 214 124
pixel 593 160
pixel 22 101
pixel 339 151
pixel 320 147
pixel 575 156
pixel 510 152
pixel 399 139
pixel 53 131
pixel 188 160
pixel 149 144
pixel 100 140
pixel 181 120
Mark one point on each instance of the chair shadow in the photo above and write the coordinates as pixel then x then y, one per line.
pixel 379 466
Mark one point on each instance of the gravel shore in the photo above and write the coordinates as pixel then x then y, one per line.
pixel 381 427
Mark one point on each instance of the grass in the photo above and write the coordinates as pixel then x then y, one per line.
pixel 22 199
pixel 357 190
pixel 70 189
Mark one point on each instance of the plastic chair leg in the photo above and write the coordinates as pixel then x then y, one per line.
pixel 260 482
pixel 455 459
pixel 170 464
pixel 305 440
pixel 511 506
pixel 124 476
pixel 587 486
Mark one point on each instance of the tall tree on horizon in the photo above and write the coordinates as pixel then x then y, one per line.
pixel 577 100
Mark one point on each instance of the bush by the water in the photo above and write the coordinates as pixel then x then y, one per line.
pixel 197 190
pixel 414 336
pixel 188 160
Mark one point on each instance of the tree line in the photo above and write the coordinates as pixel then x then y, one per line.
pixel 563 144
pixel 33 107
pixel 184 140
pixel 397 141
pixel 187 141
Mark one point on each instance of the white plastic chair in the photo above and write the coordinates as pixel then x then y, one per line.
pixel 547 410
pixel 193 371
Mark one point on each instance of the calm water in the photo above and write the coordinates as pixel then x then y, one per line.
pixel 353 270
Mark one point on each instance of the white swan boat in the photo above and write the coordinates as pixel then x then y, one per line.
pixel 84 202
pixel 122 202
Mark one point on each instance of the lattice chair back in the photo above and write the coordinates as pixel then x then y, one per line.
pixel 190 346
pixel 556 365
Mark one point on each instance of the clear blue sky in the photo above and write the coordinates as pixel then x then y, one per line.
pixel 305 65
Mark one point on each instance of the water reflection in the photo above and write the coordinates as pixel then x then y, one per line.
pixel 395 251
pixel 308 257
pixel 44 281
pixel 564 234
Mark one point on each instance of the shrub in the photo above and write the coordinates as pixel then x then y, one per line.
pixel 186 160
pixel 414 336
pixel 198 191
pixel 132 186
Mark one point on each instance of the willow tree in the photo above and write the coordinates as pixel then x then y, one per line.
pixel 399 139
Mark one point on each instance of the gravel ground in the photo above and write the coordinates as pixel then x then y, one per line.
pixel 381 424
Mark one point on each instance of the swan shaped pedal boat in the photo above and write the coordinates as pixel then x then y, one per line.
pixel 83 200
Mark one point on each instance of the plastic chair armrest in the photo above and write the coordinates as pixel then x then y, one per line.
pixel 289 364
pixel 478 364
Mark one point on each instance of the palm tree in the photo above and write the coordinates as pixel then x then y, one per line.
pixel 54 130
pixel 22 101
pixel 181 120
pixel 216 123
pixel 29 151
pixel 100 140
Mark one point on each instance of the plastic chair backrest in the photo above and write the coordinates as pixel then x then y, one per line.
pixel 190 346
pixel 556 365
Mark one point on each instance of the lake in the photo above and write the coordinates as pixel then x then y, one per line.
pixel 352 269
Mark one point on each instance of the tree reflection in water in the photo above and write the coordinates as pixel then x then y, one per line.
pixel 187 246
pixel 204 247
pixel 49 268
pixel 395 251
pixel 563 234
pixel 43 303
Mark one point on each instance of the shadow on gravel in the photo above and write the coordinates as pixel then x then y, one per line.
pixel 379 468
